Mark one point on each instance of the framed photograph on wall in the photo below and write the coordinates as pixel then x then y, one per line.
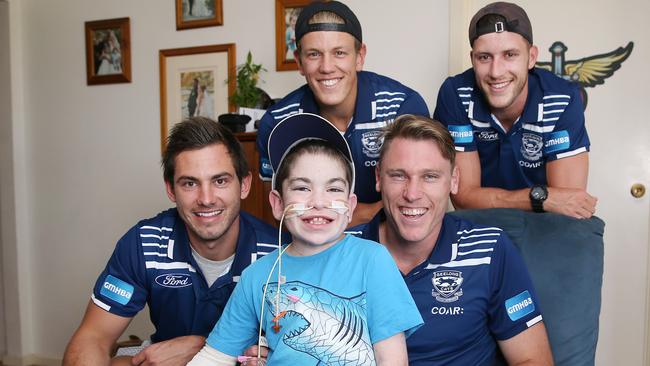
pixel 286 14
pixel 108 51
pixel 198 13
pixel 195 81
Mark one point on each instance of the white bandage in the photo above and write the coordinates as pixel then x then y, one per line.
pixel 209 356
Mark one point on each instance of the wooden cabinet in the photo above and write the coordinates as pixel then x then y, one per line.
pixel 257 202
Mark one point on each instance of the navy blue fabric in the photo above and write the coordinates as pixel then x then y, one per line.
pixel 565 260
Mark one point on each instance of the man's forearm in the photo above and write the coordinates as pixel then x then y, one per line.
pixel 479 197
pixel 571 202
pixel 82 352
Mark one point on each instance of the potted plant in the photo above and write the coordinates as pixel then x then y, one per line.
pixel 247 96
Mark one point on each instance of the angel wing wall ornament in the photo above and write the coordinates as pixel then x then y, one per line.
pixel 588 71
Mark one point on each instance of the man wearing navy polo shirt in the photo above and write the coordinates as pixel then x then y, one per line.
pixel 330 54
pixel 469 282
pixel 519 130
pixel 182 263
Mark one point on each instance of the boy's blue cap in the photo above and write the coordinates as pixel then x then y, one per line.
pixel 305 126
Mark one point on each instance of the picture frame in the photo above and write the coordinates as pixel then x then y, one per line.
pixel 198 13
pixel 286 13
pixel 108 51
pixel 195 81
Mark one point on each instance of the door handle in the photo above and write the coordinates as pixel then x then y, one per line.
pixel 637 190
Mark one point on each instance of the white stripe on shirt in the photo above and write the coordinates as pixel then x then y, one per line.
pixel 156 228
pixel 571 153
pixel 370 125
pixel 535 128
pixel 557 96
pixel 100 303
pixel 534 321
pixel 284 108
pixel 461 263
pixel 170 265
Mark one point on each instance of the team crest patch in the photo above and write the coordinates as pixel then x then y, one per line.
pixel 371 142
pixel 446 285
pixel 531 146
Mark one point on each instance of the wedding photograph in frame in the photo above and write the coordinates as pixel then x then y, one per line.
pixel 195 81
pixel 198 13
pixel 108 51
pixel 286 15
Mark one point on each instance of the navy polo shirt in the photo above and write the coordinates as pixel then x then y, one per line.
pixel 551 127
pixel 153 264
pixel 472 291
pixel 379 101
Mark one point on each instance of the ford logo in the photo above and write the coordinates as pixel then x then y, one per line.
pixel 174 280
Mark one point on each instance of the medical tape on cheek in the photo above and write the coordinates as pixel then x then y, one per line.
pixel 296 209
pixel 299 209
pixel 339 206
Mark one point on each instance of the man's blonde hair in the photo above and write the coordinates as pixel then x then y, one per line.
pixel 419 128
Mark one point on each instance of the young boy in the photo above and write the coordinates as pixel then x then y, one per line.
pixel 330 298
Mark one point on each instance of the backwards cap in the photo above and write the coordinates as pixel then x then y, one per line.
pixel 351 23
pixel 300 127
pixel 500 17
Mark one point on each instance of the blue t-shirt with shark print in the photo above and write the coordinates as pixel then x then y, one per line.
pixel 333 306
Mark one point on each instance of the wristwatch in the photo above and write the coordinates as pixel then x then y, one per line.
pixel 538 195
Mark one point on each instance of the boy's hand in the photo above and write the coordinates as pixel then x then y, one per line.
pixel 251 353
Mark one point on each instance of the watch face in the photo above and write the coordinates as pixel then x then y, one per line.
pixel 538 193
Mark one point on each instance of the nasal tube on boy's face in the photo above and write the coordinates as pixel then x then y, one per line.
pixel 300 208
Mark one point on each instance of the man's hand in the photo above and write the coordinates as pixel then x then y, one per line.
pixel 567 187
pixel 572 202
pixel 252 353
pixel 173 352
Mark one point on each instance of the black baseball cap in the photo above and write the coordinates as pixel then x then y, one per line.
pixel 300 127
pixel 500 17
pixel 351 25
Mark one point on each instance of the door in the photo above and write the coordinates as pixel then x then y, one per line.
pixel 619 131
pixel 4 118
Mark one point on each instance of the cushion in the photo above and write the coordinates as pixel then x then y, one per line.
pixel 565 260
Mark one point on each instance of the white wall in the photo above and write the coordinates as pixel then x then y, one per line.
pixel 82 163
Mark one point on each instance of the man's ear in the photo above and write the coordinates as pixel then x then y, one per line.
pixel 377 181
pixel 455 178
pixel 277 205
pixel 533 52
pixel 246 185
pixel 296 56
pixel 361 57
pixel 170 191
